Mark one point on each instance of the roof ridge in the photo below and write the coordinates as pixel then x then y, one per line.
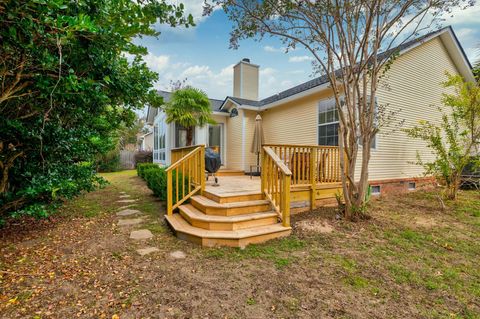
pixel 323 78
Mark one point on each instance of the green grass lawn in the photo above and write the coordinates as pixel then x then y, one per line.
pixel 410 260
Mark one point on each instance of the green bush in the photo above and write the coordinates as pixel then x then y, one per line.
pixel 143 157
pixel 141 168
pixel 156 178
pixel 109 162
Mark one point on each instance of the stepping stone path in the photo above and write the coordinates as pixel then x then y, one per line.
pixel 128 212
pixel 147 250
pixel 126 201
pixel 178 254
pixel 141 234
pixel 126 206
pixel 130 222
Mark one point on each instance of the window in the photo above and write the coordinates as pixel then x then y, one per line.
pixel 155 142
pixel 375 190
pixel 327 123
pixel 412 186
pixel 159 132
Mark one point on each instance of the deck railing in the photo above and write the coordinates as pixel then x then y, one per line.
pixel 276 177
pixel 311 165
pixel 186 175
pixel 301 158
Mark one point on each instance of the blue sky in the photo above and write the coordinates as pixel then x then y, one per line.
pixel 201 54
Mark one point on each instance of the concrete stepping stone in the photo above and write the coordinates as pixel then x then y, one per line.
pixel 130 222
pixel 122 193
pixel 126 201
pixel 125 207
pixel 178 254
pixel 141 234
pixel 124 196
pixel 147 250
pixel 128 212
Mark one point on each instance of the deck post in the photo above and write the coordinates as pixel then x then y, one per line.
pixel 169 193
pixel 263 172
pixel 313 182
pixel 202 169
pixel 286 201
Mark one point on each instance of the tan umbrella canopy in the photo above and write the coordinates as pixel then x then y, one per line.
pixel 258 138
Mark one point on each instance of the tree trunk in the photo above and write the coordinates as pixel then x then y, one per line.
pixel 190 135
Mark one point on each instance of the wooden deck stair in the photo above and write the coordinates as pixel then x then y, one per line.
pixel 234 220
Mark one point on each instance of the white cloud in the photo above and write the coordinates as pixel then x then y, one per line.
pixel 217 83
pixel 193 7
pixel 157 63
pixel 466 16
pixel 196 70
pixel 269 48
pixel 302 58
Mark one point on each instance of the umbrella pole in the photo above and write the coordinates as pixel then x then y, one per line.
pixel 258 162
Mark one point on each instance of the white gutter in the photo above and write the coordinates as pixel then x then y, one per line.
pixel 221 113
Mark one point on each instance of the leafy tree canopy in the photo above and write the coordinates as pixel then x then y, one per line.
pixel 66 87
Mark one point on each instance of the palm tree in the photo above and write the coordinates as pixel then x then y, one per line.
pixel 189 107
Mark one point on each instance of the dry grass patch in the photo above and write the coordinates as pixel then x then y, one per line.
pixel 410 260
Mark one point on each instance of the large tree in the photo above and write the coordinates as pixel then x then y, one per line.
pixel 66 86
pixel 352 44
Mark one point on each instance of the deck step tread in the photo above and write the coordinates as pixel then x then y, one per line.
pixel 181 225
pixel 211 203
pixel 194 213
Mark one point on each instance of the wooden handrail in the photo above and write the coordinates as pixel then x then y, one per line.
pixel 184 158
pixel 189 176
pixel 281 165
pixel 186 147
pixel 276 177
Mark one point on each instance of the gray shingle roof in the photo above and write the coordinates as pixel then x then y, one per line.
pixel 324 79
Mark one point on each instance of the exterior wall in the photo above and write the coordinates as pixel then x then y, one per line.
pixel 415 89
pixel 250 158
pixel 147 143
pixel 235 149
pixel 414 83
pixel 294 122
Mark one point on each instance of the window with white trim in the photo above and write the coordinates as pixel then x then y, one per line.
pixel 159 132
pixel 327 123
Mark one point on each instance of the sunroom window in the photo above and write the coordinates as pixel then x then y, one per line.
pixel 159 132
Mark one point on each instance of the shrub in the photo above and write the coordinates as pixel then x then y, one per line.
pixel 156 178
pixel 144 166
pixel 143 157
pixel 109 162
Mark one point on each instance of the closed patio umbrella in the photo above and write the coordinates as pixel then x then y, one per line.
pixel 258 138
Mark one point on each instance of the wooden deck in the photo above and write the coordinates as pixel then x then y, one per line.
pixel 234 185
pixel 241 210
